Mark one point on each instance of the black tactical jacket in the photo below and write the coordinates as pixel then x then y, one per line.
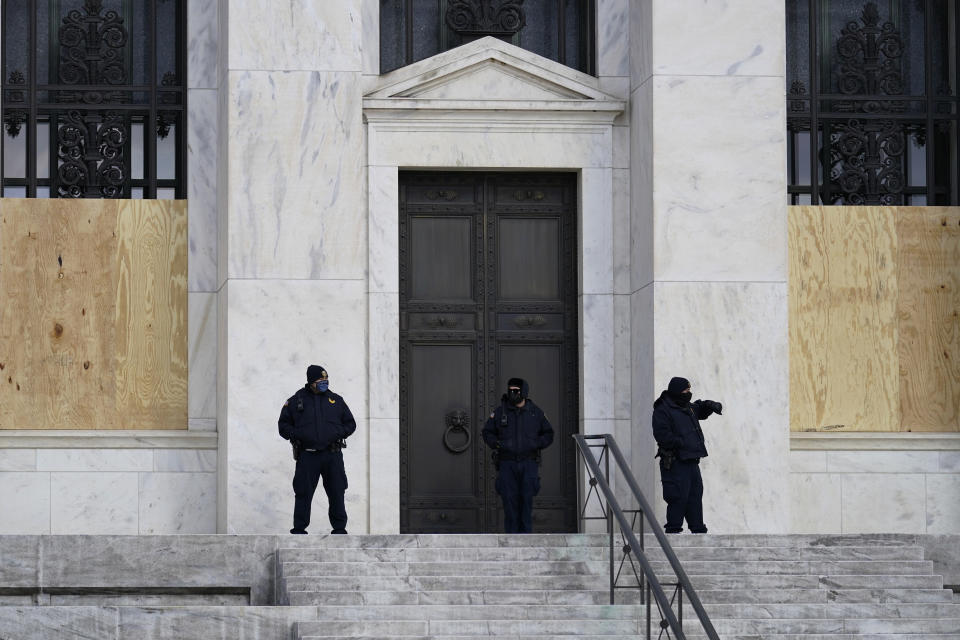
pixel 323 419
pixel 526 431
pixel 677 429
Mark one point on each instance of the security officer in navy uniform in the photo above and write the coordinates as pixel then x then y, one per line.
pixel 676 427
pixel 517 431
pixel 317 422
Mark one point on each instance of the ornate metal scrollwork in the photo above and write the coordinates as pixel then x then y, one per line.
pixel 871 162
pixel 90 150
pixel 485 17
pixel 13 120
pixel 870 56
pixel 91 46
pixel 457 420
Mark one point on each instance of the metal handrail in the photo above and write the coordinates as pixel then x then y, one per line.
pixel 683 582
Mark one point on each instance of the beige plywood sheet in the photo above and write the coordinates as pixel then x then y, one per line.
pixel 843 322
pixel 60 321
pixel 929 327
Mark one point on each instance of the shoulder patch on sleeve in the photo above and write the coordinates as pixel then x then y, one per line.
pixel 331 401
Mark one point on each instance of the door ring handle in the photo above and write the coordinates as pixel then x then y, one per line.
pixel 457 420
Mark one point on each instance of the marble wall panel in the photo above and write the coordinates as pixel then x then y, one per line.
pixel 621 231
pixel 621 147
pixel 618 87
pixel 718 38
pixel 384 228
pixel 202 347
pixel 641 43
pixel 94 503
pixel 26 503
pixel 902 497
pixel 641 186
pixel 202 424
pixel 21 558
pixel 943 503
pixel 94 460
pixel 356 461
pixel 808 461
pixel 815 500
pixel 298 35
pixel 40 623
pixel 598 382
pixel 642 385
pixel 950 461
pixel 202 166
pixel 719 177
pixel 613 38
pixel 185 460
pixel 370 44
pixel 178 503
pixel 297 189
pixel 18 459
pixel 273 333
pixel 882 461
pixel 384 356
pixel 384 475
pixel 622 358
pixel 488 145
pixel 203 27
pixel 749 443
pixel 596 231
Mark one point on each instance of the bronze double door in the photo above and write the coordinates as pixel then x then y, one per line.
pixel 488 291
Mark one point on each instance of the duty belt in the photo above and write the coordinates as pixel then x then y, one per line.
pixel 517 457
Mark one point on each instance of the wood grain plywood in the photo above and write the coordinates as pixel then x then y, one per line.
pixel 60 264
pixel 929 329
pixel 151 313
pixel 843 321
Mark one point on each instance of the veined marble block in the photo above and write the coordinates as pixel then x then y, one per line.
pixel 203 41
pixel 816 502
pixel 94 503
pixel 943 503
pixel 177 503
pixel 613 37
pixel 202 347
pixel 203 126
pixel 296 181
pixel 297 35
pixel 18 459
pixel 26 503
pixel 884 503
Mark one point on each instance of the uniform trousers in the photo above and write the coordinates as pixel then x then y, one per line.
pixel 518 481
pixel 683 493
pixel 311 466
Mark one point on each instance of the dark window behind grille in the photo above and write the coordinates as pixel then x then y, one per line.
pixel 94 98
pixel 562 30
pixel 877 83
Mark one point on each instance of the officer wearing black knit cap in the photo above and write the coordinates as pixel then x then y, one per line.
pixel 676 427
pixel 317 422
pixel 517 431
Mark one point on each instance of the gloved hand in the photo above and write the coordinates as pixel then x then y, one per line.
pixel 716 407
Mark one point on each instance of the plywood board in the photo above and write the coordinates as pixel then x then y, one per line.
pixel 843 320
pixel 78 279
pixel 929 327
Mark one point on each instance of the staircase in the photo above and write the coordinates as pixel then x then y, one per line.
pixel 539 586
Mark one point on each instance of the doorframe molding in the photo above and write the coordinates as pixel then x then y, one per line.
pixel 473 134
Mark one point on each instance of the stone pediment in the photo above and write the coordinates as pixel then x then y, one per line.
pixel 487 70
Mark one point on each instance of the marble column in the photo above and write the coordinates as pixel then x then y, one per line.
pixel 293 247
pixel 709 243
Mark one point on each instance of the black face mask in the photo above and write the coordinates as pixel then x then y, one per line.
pixel 685 397
pixel 513 395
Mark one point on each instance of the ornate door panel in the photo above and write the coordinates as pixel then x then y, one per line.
pixel 487 292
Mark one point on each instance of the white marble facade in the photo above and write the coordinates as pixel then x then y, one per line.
pixel 295 146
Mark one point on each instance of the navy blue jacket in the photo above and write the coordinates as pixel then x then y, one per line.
pixel 324 419
pixel 677 428
pixel 526 431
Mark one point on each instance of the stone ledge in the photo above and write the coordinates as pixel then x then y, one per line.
pixel 810 441
pixel 114 439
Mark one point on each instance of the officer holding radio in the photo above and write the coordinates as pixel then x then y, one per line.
pixel 317 422
pixel 517 431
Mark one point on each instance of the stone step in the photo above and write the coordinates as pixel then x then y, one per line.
pixel 567 567
pixel 631 636
pixel 600 582
pixel 481 612
pixel 839 636
pixel 685 554
pixel 767 627
pixel 833 610
pixel 466 597
pixel 786 596
pixel 394 628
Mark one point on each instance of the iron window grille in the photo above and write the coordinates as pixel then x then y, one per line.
pixel 94 98
pixel 872 102
pixel 561 30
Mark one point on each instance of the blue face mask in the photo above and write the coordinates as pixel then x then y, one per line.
pixel 322 385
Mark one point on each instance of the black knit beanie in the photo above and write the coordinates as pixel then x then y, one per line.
pixel 315 372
